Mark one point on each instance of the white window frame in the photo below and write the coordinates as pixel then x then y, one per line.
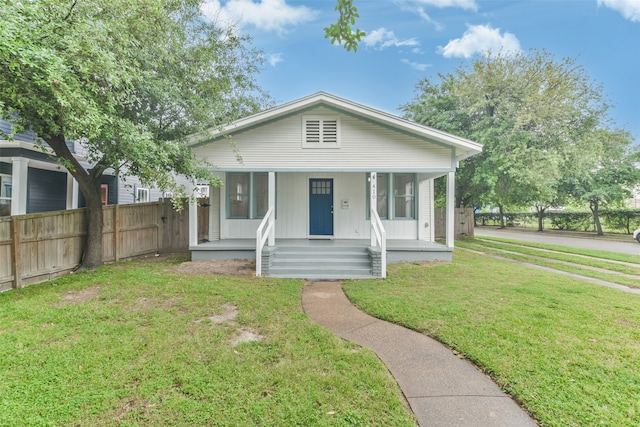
pixel 391 197
pixel 408 199
pixel 4 199
pixel 142 195
pixel 325 133
pixel 250 193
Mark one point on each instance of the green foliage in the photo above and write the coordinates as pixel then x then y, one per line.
pixel 622 219
pixel 341 32
pixel 615 220
pixel 581 221
pixel 614 174
pixel 535 116
pixel 129 80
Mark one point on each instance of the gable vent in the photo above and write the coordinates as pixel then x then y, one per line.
pixel 321 132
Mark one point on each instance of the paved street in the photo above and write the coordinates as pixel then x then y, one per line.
pixel 626 247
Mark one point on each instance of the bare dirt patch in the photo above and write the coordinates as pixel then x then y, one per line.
pixel 230 313
pixel 220 267
pixel 243 335
pixel 79 296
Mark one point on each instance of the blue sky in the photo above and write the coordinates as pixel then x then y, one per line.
pixel 408 40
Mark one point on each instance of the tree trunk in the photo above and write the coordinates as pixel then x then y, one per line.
pixel 89 183
pixel 501 216
pixel 93 256
pixel 540 218
pixel 593 204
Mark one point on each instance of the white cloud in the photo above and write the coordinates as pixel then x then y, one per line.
pixel 267 15
pixel 480 39
pixel 382 38
pixel 462 4
pixel 630 9
pixel 426 18
pixel 415 65
pixel 275 58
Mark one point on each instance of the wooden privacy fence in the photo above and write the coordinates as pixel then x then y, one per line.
pixel 463 222
pixel 39 247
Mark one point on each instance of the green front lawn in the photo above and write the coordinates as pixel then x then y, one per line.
pixel 568 350
pixel 135 344
pixel 138 343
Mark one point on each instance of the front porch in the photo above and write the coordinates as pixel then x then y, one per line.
pixel 328 259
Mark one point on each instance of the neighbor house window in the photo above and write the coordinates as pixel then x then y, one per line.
pixel 5 195
pixel 202 190
pixel 321 132
pixel 142 195
pixel 247 195
pixel 399 204
pixel 404 196
pixel 104 194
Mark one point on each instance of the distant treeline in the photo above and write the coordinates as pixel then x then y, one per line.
pixel 618 221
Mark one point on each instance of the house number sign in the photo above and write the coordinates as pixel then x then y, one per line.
pixel 374 185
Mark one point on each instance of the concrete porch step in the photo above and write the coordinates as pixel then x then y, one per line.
pixel 321 263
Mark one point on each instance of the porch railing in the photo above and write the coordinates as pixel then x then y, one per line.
pixel 262 234
pixel 379 239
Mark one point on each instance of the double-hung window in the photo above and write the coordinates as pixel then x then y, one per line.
pixel 404 200
pixel 247 195
pixel 142 195
pixel 395 196
pixel 5 195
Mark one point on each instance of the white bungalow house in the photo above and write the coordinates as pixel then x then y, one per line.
pixel 325 188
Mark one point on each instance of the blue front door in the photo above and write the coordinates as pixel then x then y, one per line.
pixel 321 207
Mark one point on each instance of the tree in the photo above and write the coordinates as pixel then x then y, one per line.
pixel 130 80
pixel 533 115
pixel 612 177
pixel 341 32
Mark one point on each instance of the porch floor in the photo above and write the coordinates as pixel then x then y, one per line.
pixel 398 250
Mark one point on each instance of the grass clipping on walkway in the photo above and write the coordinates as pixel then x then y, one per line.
pixel 143 343
pixel 568 350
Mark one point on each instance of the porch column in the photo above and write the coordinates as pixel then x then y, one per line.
pixel 373 203
pixel 451 190
pixel 272 207
pixel 19 176
pixel 213 205
pixel 193 222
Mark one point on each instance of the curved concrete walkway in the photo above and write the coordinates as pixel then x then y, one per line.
pixel 441 389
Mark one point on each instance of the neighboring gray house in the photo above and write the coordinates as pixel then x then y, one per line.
pixel 33 181
pixel 323 181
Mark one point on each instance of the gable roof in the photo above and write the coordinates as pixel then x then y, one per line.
pixel 463 147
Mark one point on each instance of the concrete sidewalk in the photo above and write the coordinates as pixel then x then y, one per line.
pixel 441 389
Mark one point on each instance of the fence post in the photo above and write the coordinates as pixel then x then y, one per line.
pixel 15 250
pixel 160 219
pixel 116 231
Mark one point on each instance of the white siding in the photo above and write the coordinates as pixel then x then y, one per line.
pixel 401 229
pixel 292 219
pixel 292 210
pixel 425 210
pixel 365 146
